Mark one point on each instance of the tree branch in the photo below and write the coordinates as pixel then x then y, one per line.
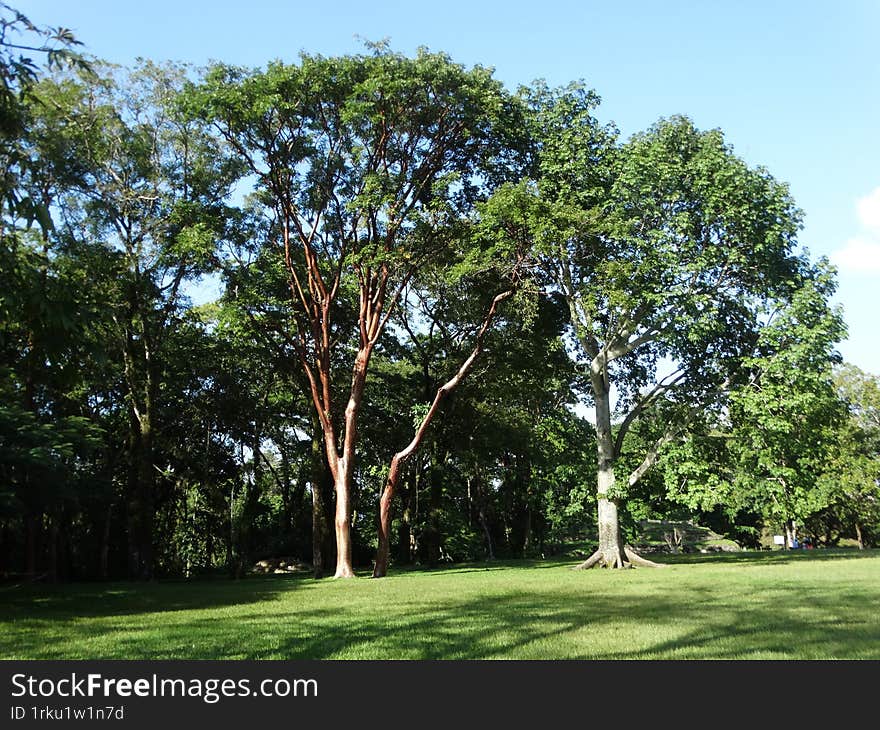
pixel 659 389
pixel 455 380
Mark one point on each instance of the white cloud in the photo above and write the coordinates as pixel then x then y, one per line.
pixel 859 255
pixel 869 210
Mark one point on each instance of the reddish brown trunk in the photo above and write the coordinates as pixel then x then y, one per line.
pixel 380 569
pixel 342 466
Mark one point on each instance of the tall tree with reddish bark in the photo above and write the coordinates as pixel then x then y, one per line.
pixel 380 569
pixel 498 259
pixel 367 165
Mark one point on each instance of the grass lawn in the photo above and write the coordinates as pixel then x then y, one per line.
pixel 772 605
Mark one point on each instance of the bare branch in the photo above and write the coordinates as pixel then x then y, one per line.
pixel 672 431
pixel 455 380
pixel 663 386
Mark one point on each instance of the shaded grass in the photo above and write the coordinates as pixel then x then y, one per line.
pixel 776 605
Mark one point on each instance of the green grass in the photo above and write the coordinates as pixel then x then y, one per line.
pixel 804 605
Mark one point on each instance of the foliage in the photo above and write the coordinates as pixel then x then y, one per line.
pixel 359 213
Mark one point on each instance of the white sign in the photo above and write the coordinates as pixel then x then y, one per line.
pixel 779 540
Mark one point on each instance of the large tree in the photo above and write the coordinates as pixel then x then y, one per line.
pixel 366 165
pixel 666 249
pixel 851 478
pixel 777 449
pixel 786 416
pixel 139 192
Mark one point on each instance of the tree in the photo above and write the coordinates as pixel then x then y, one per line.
pixel 367 164
pixel 500 477
pixel 19 74
pixel 786 415
pixel 42 440
pixel 666 249
pixel 861 392
pixel 139 191
pixel 392 480
pixel 780 432
pixel 852 475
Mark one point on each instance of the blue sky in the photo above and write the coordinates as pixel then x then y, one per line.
pixel 794 85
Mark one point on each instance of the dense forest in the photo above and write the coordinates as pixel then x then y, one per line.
pixel 379 310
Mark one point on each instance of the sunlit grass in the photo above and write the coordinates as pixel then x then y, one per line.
pixel 816 605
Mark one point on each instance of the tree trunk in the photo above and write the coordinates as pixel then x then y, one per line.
pixel 611 553
pixel 524 488
pixel 490 548
pixel 859 536
pixel 250 497
pixel 527 530
pixel 52 569
pixel 405 527
pixel 140 501
pixel 405 532
pixel 131 501
pixel 342 522
pixel 481 513
pixel 790 533
pixel 380 569
pixel 286 496
pixel 318 478
pixel 146 482
pixel 342 465
pixel 413 544
pixel 433 541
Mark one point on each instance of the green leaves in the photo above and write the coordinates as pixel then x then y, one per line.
pixel 372 152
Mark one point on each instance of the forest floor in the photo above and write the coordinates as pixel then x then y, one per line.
pixel 819 604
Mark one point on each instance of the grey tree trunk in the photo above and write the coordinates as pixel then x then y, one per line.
pixel 612 552
pixel 790 533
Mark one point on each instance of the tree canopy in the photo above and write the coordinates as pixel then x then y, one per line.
pixel 446 321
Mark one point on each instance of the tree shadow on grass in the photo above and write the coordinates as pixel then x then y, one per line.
pixel 41 621
pixel 484 566
pixel 687 622
pixel 64 600
pixel 689 626
pixel 605 616
pixel 765 557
